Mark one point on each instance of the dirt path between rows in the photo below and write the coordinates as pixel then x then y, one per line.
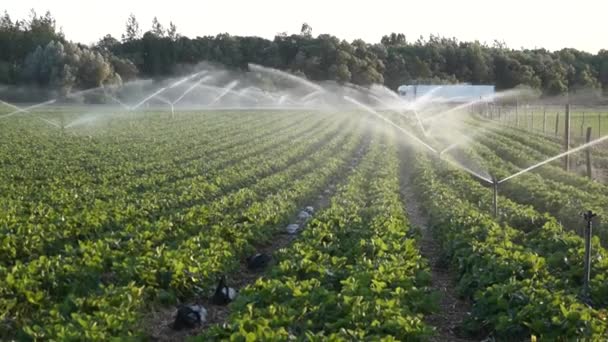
pixel 452 309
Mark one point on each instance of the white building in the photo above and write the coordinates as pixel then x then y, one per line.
pixel 459 93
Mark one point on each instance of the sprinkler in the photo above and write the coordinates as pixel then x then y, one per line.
pixel 588 216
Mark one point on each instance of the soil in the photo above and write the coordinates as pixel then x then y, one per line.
pixel 453 310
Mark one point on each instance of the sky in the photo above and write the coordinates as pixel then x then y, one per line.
pixel 546 24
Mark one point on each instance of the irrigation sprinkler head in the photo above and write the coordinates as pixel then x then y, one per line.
pixel 589 215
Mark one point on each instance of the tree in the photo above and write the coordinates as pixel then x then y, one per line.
pixel 6 23
pixel 107 43
pixel 172 32
pixel 602 67
pixel 27 55
pixel 64 66
pixel 157 29
pixel 306 30
pixel 393 39
pixel 133 31
pixel 124 67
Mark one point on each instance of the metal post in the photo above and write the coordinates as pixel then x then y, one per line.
pixel 567 139
pixel 544 121
pixel 588 234
pixel 588 153
pixel 495 188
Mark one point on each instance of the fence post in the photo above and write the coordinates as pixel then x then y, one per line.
pixel 544 121
pixel 588 154
pixel 567 139
pixel 583 126
pixel 516 113
pixel 532 120
pixel 557 124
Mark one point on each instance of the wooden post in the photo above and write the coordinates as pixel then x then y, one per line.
pixel 557 124
pixel 532 120
pixel 517 114
pixel 567 139
pixel 583 126
pixel 544 121
pixel 588 154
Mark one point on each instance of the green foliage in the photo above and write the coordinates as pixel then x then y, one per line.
pixel 524 281
pixel 96 240
pixel 395 61
pixel 352 274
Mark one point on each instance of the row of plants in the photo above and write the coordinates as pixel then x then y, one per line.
pixel 81 291
pixel 562 249
pixel 355 273
pixel 547 145
pixel 565 202
pixel 516 278
pixel 522 155
pixel 65 214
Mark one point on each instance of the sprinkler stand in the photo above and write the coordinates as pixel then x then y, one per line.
pixel 495 187
pixel 588 234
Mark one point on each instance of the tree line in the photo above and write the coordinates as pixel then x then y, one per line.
pixel 34 52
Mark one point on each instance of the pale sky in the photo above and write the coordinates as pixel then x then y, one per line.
pixel 556 24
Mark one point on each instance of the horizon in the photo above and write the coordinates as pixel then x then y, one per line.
pixel 518 25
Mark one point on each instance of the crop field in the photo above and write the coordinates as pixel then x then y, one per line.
pixel 105 229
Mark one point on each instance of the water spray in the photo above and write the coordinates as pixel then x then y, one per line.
pixel 191 88
pixel 186 79
pixel 163 89
pixel 311 95
pixel 27 109
pixel 155 94
pixel 54 124
pixel 468 170
pixel 117 101
pixel 455 109
pixel 372 111
pixel 426 134
pixel 577 149
pixel 10 105
pixel 283 74
pixel 225 91
pixel 397 108
pixel 162 99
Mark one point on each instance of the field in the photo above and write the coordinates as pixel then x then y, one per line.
pixel 550 119
pixel 106 228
